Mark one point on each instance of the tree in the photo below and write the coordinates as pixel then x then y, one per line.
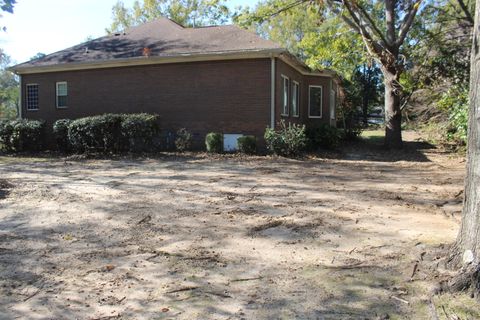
pixel 382 27
pixel 7 6
pixel 9 89
pixel 383 39
pixel 467 247
pixel 189 13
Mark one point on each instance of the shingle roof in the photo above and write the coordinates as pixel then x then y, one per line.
pixel 162 37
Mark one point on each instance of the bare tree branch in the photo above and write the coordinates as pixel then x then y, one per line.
pixel 407 23
pixel 373 26
pixel 390 21
pixel 468 15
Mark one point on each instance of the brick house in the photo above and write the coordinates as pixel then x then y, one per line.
pixel 223 79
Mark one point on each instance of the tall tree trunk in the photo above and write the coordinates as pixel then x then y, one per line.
pixel 468 240
pixel 393 113
pixel 466 251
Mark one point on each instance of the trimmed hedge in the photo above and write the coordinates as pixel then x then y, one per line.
pixel 139 130
pixel 183 142
pixel 287 141
pixel 60 132
pixel 247 144
pixel 22 135
pixel 112 133
pixel 214 142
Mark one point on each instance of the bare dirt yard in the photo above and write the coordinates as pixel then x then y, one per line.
pixel 349 235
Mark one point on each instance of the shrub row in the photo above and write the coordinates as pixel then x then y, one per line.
pixel 22 135
pixel 138 132
pixel 107 133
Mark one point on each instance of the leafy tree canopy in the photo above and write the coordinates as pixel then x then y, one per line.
pixel 185 12
pixel 9 89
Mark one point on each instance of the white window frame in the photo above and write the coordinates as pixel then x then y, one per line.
pixel 297 98
pixel 26 96
pixel 309 102
pixel 56 94
pixel 285 101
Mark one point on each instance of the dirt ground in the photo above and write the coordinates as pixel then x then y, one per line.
pixel 341 236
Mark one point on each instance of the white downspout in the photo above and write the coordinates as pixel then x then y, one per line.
pixel 272 97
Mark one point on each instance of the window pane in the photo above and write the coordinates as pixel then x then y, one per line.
pixel 62 89
pixel 315 102
pixel 286 85
pixel 62 92
pixel 32 96
pixel 61 101
pixel 295 98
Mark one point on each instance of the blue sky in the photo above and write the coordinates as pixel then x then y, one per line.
pixel 51 25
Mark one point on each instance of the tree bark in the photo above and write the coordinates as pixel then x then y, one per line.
pixel 469 235
pixel 393 112
pixel 466 251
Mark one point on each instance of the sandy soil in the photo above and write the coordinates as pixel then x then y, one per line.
pixel 197 237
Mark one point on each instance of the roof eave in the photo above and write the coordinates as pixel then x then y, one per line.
pixel 140 61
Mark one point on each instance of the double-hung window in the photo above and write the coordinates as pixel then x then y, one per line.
pixel 315 96
pixel 295 99
pixel 286 95
pixel 62 93
pixel 31 95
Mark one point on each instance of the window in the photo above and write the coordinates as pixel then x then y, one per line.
pixel 62 94
pixel 295 99
pixel 315 102
pixel 286 89
pixel 333 103
pixel 32 96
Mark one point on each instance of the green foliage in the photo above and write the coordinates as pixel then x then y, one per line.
pixel 139 131
pixel 60 132
pixel 9 89
pixel 455 103
pixel 185 12
pixel 247 144
pixel 324 136
pixel 6 130
pixel 288 140
pixel 96 134
pixel 114 133
pixel 183 142
pixel 22 135
pixel 214 142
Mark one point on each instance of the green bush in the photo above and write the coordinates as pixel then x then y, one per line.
pixel 214 142
pixel 139 131
pixel 324 136
pixel 287 141
pixel 60 132
pixel 6 130
pixel 22 135
pixel 455 103
pixel 114 133
pixel 98 133
pixel 247 144
pixel 183 142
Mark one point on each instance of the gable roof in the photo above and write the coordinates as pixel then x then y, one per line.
pixel 158 41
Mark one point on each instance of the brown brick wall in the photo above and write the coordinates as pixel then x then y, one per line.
pixel 305 81
pixel 225 96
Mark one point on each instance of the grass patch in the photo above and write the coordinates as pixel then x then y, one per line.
pixel 456 306
pixel 373 136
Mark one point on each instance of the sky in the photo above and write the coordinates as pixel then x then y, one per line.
pixel 51 25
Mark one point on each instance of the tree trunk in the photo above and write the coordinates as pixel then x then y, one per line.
pixel 393 114
pixel 468 240
pixel 466 251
